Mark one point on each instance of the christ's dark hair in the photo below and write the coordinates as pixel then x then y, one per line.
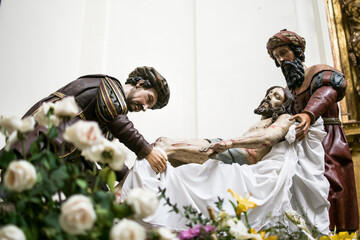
pixel 288 101
pixel 286 106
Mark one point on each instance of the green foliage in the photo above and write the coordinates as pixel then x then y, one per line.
pixel 37 211
pixel 216 227
pixel 108 176
pixel 6 158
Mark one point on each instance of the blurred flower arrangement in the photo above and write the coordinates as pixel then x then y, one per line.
pixel 226 227
pixel 44 196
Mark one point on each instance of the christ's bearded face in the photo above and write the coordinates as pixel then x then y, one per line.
pixel 272 103
pixel 291 66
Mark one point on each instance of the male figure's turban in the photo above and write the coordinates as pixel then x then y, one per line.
pixel 285 37
pixel 157 81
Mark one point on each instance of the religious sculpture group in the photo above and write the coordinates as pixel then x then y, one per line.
pixel 306 110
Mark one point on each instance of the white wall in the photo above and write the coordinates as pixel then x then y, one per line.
pixel 212 52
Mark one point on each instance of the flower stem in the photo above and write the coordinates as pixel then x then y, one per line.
pixel 59 194
pixel 49 127
pixel 62 146
pixel 97 178
pixel 23 149
pixel 246 220
pixel 308 235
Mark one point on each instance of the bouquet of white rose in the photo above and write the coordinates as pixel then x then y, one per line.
pixel 48 197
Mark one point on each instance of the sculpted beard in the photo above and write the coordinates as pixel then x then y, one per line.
pixel 293 72
pixel 268 111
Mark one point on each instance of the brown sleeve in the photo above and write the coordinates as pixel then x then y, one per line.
pixel 320 100
pixel 123 129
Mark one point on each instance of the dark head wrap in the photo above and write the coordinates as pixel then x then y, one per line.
pixel 285 37
pixel 157 81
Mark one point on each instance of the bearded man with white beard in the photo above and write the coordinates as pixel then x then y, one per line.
pixel 316 91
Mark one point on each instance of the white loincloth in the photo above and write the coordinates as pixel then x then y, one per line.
pixel 290 176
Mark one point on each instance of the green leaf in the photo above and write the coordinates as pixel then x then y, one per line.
pixel 234 206
pixel 6 158
pixel 37 157
pixel 219 203
pixel 104 199
pixel 59 176
pixel 35 200
pixel 34 148
pixel 154 235
pixel 21 204
pixel 122 210
pixel 49 189
pixel 52 158
pixel 102 213
pixel 53 132
pixel 104 174
pixel 49 232
pixel 111 180
pixel 52 220
pixel 81 183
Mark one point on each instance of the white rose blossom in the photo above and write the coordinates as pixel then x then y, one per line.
pixel 11 232
pixel 166 234
pixel 77 214
pixel 83 134
pixel 56 197
pixel 12 124
pixel 27 124
pixel 66 107
pixel 127 230
pixel 20 175
pixel 93 153
pixel 41 115
pixel 118 155
pixel 11 140
pixel 110 152
pixel 142 201
pixel 240 231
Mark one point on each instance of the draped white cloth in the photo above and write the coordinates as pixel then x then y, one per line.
pixel 289 177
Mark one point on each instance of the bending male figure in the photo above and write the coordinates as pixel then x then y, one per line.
pixel 316 91
pixel 250 148
pixel 103 99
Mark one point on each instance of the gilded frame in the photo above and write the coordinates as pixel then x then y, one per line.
pixel 344 27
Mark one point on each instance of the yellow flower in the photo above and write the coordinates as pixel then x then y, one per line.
pixel 344 235
pixel 325 238
pixel 340 236
pixel 262 234
pixel 252 231
pixel 243 203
